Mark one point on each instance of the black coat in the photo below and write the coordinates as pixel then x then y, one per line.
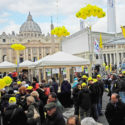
pixel 122 84
pixel 101 86
pixel 115 114
pixel 55 119
pixel 93 93
pixel 84 99
pixel 115 88
pixel 18 117
pixel 42 95
pixel 75 95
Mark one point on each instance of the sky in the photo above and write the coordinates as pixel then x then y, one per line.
pixel 13 13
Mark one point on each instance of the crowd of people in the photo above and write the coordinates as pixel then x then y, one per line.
pixel 34 103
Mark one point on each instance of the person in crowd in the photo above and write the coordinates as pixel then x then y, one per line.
pixel 73 120
pixel 75 82
pixel 53 98
pixel 21 97
pixel 41 90
pixel 35 84
pixel 29 90
pixel 40 105
pixel 32 114
pixel 101 91
pixel 114 85
pixel 115 111
pixel 84 79
pixel 14 114
pixel 53 117
pixel 75 93
pixel 55 85
pixel 84 102
pixel 94 98
pixel 89 121
pixel 66 93
pixel 122 86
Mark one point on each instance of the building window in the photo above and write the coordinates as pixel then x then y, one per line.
pixel 4 58
pixel 97 56
pixel 34 50
pixel 4 40
pixel 21 59
pixel 34 59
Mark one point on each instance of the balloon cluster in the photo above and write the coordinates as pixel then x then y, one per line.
pixel 18 47
pixel 90 10
pixel 6 81
pixel 60 31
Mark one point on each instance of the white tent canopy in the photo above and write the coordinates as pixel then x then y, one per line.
pixel 27 63
pixel 7 64
pixel 62 59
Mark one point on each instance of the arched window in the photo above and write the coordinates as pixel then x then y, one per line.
pixel 4 58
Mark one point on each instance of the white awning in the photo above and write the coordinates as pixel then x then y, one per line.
pixel 26 63
pixel 62 59
pixel 7 64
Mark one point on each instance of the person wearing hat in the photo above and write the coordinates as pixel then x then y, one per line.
pixel 84 78
pixel 84 102
pixel 14 114
pixel 53 117
pixel 93 94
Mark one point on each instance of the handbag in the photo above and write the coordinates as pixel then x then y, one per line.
pixel 35 119
pixel 36 114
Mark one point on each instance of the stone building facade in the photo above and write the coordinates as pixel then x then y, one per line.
pixel 113 46
pixel 37 44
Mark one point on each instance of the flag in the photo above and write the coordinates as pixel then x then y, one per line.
pixel 96 47
pixel 110 67
pixel 123 30
pixel 100 43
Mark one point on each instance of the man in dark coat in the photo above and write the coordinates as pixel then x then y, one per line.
pixel 94 98
pixel 101 91
pixel 53 117
pixel 84 102
pixel 115 111
pixel 76 91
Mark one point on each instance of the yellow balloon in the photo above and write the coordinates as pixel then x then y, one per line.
pixel 7 80
pixel 2 84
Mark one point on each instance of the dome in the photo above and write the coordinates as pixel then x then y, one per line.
pixel 30 25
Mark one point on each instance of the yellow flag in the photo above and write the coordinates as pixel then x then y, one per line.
pixel 82 68
pixel 123 30
pixel 100 43
pixel 110 67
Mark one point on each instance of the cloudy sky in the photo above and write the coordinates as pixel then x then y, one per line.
pixel 13 14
